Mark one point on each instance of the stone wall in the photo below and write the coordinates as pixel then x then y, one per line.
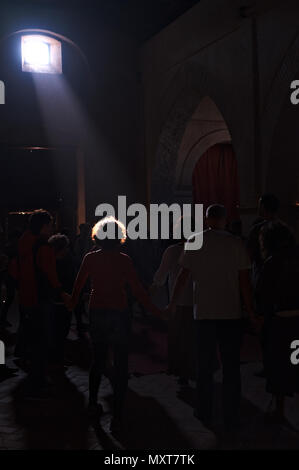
pixel 245 66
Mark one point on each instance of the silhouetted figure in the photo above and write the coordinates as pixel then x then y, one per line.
pixel 236 228
pixel 267 210
pixel 268 206
pixel 181 339
pixel 83 245
pixel 35 272
pixel 9 252
pixel 146 256
pixel 3 271
pixel 220 270
pixel 111 273
pixel 278 294
pixel 66 272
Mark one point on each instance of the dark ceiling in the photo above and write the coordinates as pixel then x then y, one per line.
pixel 140 18
pixel 145 18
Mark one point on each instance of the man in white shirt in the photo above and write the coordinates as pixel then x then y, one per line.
pixel 221 272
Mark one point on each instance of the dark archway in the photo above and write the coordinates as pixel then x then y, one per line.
pixel 171 177
pixel 215 180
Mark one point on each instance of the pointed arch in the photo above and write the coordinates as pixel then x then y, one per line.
pixel 206 128
pixel 192 85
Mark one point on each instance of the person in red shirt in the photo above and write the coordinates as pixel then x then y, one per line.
pixel 112 275
pixel 34 270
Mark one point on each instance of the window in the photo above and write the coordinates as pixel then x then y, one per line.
pixel 41 54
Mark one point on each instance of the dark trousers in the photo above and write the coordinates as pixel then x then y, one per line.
pixel 110 331
pixel 79 312
pixel 227 334
pixel 60 326
pixel 22 344
pixel 34 339
pixel 40 335
pixel 10 295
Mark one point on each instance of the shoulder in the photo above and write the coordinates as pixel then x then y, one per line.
pixel 231 242
pixel 173 250
pixel 199 235
pixel 124 258
pixel 91 256
pixel 221 236
pixel 231 238
pixel 172 255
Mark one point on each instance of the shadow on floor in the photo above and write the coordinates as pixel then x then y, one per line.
pixel 79 352
pixel 254 432
pixel 148 426
pixel 59 422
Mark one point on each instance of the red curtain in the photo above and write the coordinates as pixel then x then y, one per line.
pixel 215 180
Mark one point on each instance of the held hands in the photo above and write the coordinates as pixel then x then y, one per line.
pixel 161 313
pixel 169 310
pixel 67 299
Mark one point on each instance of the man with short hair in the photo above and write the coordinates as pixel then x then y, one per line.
pixel 220 271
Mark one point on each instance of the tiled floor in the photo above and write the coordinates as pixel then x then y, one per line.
pixel 159 415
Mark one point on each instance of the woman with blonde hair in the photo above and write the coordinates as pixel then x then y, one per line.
pixel 111 273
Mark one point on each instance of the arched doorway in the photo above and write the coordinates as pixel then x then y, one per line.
pixel 215 179
pixel 206 168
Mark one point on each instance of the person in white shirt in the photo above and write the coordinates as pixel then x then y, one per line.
pixel 220 272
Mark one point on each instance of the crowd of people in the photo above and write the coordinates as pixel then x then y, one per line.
pixel 214 293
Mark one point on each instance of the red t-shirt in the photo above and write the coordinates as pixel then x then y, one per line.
pixel 22 268
pixel 110 272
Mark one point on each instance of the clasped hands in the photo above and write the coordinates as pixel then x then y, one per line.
pixel 68 301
